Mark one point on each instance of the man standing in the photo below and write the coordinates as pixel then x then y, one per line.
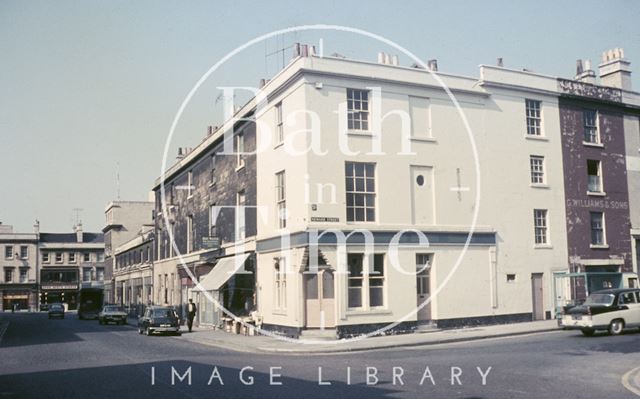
pixel 191 313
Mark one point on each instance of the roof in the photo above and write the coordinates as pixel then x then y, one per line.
pixel 72 238
pixel 615 290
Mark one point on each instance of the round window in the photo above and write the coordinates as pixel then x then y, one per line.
pixel 420 180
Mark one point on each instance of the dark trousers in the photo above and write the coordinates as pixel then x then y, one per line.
pixel 190 321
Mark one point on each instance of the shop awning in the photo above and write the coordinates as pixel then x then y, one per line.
pixel 222 272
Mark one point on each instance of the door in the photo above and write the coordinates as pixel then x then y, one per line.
pixel 422 199
pixel 423 284
pixel 319 299
pixel 537 296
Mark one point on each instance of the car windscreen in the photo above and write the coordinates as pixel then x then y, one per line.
pixel 600 299
pixel 113 309
pixel 55 307
pixel 163 313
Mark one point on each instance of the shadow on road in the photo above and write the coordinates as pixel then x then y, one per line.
pixel 135 380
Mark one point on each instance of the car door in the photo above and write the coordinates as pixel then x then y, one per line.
pixel 634 310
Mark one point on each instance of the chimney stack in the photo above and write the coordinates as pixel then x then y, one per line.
pixel 584 73
pixel 36 227
pixel 615 70
pixel 78 229
pixel 433 65
pixel 500 62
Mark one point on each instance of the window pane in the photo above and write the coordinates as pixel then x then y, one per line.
pixel 376 296
pixel 311 285
pixel 355 297
pixel 327 285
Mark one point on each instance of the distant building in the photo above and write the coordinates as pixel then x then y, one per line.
pixel 123 221
pixel 18 281
pixel 69 262
pixel 133 271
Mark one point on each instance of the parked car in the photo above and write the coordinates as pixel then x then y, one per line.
pixel 612 310
pixel 56 310
pixel 112 313
pixel 159 319
pixel 44 307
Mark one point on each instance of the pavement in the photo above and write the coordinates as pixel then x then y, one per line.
pixel 270 344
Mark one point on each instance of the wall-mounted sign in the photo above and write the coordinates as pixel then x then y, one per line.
pixel 210 242
pixel 325 219
pixel 597 203
pixel 60 287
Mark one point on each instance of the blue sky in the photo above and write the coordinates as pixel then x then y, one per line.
pixel 85 85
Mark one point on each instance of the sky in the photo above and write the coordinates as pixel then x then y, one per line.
pixel 89 89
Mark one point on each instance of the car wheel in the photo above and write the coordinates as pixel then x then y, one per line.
pixel 140 330
pixel 616 327
pixel 588 332
pixel 147 331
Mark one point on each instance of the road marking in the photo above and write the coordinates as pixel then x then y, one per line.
pixel 4 330
pixel 626 381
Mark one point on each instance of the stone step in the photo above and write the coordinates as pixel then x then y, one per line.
pixel 318 334
pixel 426 327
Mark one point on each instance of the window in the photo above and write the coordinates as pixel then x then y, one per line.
pixel 281 202
pixel 355 279
pixel 591 132
pixel 537 169
pixel 72 257
pixel 597 228
pixel 279 126
pixel 8 274
pixel 357 109
pixel 376 282
pixel 8 252
pixel 100 273
pixel 189 233
pixel 540 226
pixel 172 194
pixel 86 274
pixel 241 201
pixel 213 169
pixel 240 150
pixel 86 256
pixel 511 278
pixel 24 275
pixel 24 252
pixel 281 283
pixel 594 172
pixel 534 118
pixel 190 183
pixel 45 257
pixel 58 257
pixel 213 216
pixel 363 280
pixel 360 188
pixel 423 278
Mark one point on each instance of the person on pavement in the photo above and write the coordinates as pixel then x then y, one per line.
pixel 191 313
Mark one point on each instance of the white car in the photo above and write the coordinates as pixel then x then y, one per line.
pixel 612 310
pixel 112 313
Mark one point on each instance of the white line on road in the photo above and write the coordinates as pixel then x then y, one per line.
pixel 4 330
pixel 626 380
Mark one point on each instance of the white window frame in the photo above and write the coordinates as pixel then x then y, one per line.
pixel 533 113
pixel 241 200
pixel 190 184
pixel 280 284
pixel 189 233
pixel 354 196
pixel 602 229
pixel 366 277
pixel 279 123
pixel 26 248
pixel 212 178
pixel 591 128
pixel 537 168
pixel 86 257
pixel 45 257
pixel 358 110
pixel 72 257
pixel 240 150
pixel 59 255
pixel 281 199
pixel 541 226
pixel 598 176
pixel 24 270
pixel 212 220
pixel 10 271
pixel 9 252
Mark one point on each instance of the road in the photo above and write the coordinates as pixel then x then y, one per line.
pixel 70 358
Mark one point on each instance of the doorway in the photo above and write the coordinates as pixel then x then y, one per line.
pixel 319 299
pixel 537 296
pixel 423 286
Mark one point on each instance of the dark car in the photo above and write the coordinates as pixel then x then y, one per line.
pixel 112 313
pixel 56 310
pixel 159 319
pixel 44 307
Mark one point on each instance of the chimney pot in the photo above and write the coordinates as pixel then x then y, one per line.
pixel 615 71
pixel 433 65
pixel 500 63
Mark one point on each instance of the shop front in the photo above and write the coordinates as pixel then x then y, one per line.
pixel 18 297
